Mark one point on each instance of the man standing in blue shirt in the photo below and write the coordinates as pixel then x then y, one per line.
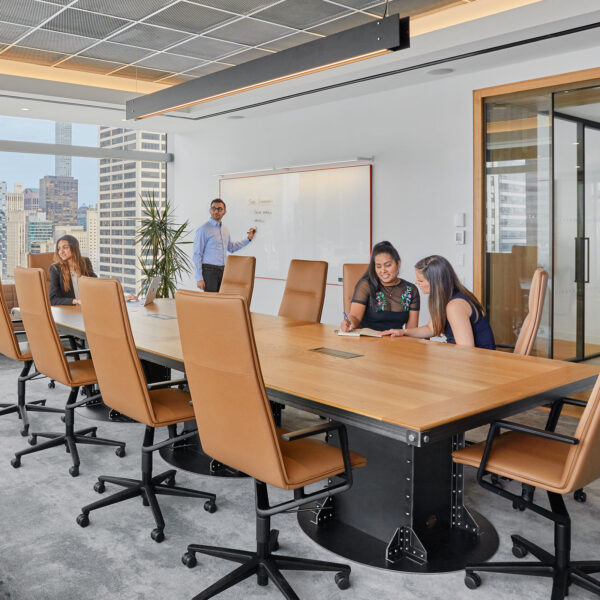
pixel 211 244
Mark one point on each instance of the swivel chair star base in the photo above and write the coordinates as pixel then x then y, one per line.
pixel 70 438
pixel 263 563
pixel 22 407
pixel 148 487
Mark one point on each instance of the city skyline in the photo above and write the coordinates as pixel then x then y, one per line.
pixel 28 169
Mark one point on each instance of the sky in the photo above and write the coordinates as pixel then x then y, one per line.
pixel 28 169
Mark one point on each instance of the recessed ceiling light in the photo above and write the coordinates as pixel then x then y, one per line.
pixel 24 108
pixel 441 71
pixel 235 116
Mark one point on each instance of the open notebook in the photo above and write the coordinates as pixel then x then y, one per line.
pixel 358 332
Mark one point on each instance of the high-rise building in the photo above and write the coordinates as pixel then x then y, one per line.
pixel 16 229
pixel 31 198
pixel 39 229
pixel 93 233
pixel 58 197
pixel 121 185
pixel 3 192
pixel 62 135
pixel 81 216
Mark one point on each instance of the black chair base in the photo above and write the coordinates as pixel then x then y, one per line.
pixel 263 563
pixel 547 565
pixel 70 439
pixel 22 407
pixel 266 568
pixel 148 488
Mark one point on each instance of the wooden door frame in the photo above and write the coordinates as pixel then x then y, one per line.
pixel 553 83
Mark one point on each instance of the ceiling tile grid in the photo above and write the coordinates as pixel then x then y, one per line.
pixel 171 41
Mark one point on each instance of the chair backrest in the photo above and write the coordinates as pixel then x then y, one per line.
pixel 304 292
pixel 232 410
pixel 531 324
pixel 116 361
pixel 238 277
pixel 351 274
pixel 43 260
pixel 42 336
pixel 583 462
pixel 9 346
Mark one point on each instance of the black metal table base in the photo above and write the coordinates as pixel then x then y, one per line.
pixel 98 411
pixel 189 456
pixel 449 550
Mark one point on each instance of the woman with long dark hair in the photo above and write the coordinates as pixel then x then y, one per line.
pixel 455 311
pixel 65 272
pixel 382 299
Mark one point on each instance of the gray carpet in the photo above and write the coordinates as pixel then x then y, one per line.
pixel 45 555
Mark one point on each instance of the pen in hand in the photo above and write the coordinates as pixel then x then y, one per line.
pixel 348 321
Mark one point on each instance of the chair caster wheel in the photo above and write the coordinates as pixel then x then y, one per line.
pixel 342 580
pixel 472 581
pixel 157 535
pixel 62 418
pixel 32 440
pixel 25 431
pixel 16 462
pixel 99 487
pixel 83 520
pixel 170 481
pixel 51 385
pixel 93 434
pixel 74 471
pixel 519 551
pixel 518 505
pixel 120 451
pixel 494 478
pixel 580 496
pixel 274 540
pixel 210 506
pixel 189 560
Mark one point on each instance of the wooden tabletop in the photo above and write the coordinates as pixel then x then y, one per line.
pixel 413 384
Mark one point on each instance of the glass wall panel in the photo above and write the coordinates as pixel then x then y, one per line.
pixel 518 161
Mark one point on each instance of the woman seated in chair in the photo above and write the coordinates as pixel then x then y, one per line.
pixel 455 312
pixel 381 299
pixel 65 273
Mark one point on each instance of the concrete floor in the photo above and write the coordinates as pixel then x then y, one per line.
pixel 45 555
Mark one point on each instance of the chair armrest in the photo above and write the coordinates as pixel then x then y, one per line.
pixel 78 351
pixel 556 410
pixel 543 433
pixel 290 436
pixel 165 384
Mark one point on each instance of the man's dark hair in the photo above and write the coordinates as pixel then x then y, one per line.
pixel 219 200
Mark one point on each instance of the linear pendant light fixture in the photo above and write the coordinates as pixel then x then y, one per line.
pixel 359 43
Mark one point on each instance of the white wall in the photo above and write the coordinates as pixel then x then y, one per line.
pixel 421 137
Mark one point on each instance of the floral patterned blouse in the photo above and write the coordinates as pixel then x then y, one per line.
pixel 389 308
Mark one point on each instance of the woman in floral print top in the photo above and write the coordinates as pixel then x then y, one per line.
pixel 381 299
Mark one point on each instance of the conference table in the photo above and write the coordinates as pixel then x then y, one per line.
pixel 406 404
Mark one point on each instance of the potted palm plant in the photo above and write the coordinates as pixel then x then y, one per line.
pixel 161 240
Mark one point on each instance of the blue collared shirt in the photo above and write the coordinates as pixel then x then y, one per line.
pixel 211 244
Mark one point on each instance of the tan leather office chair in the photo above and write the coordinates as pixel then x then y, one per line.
pixel 13 344
pixel 556 463
pixel 531 324
pixel 352 272
pixel 304 292
pixel 51 360
pixel 236 427
pixel 124 388
pixel 238 277
pixel 43 261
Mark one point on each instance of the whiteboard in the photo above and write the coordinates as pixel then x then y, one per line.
pixel 322 214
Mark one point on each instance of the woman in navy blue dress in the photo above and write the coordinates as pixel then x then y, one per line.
pixel 455 311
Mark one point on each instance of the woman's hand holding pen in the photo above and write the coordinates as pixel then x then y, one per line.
pixel 346 324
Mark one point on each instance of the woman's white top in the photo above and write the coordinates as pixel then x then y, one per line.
pixel 75 283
